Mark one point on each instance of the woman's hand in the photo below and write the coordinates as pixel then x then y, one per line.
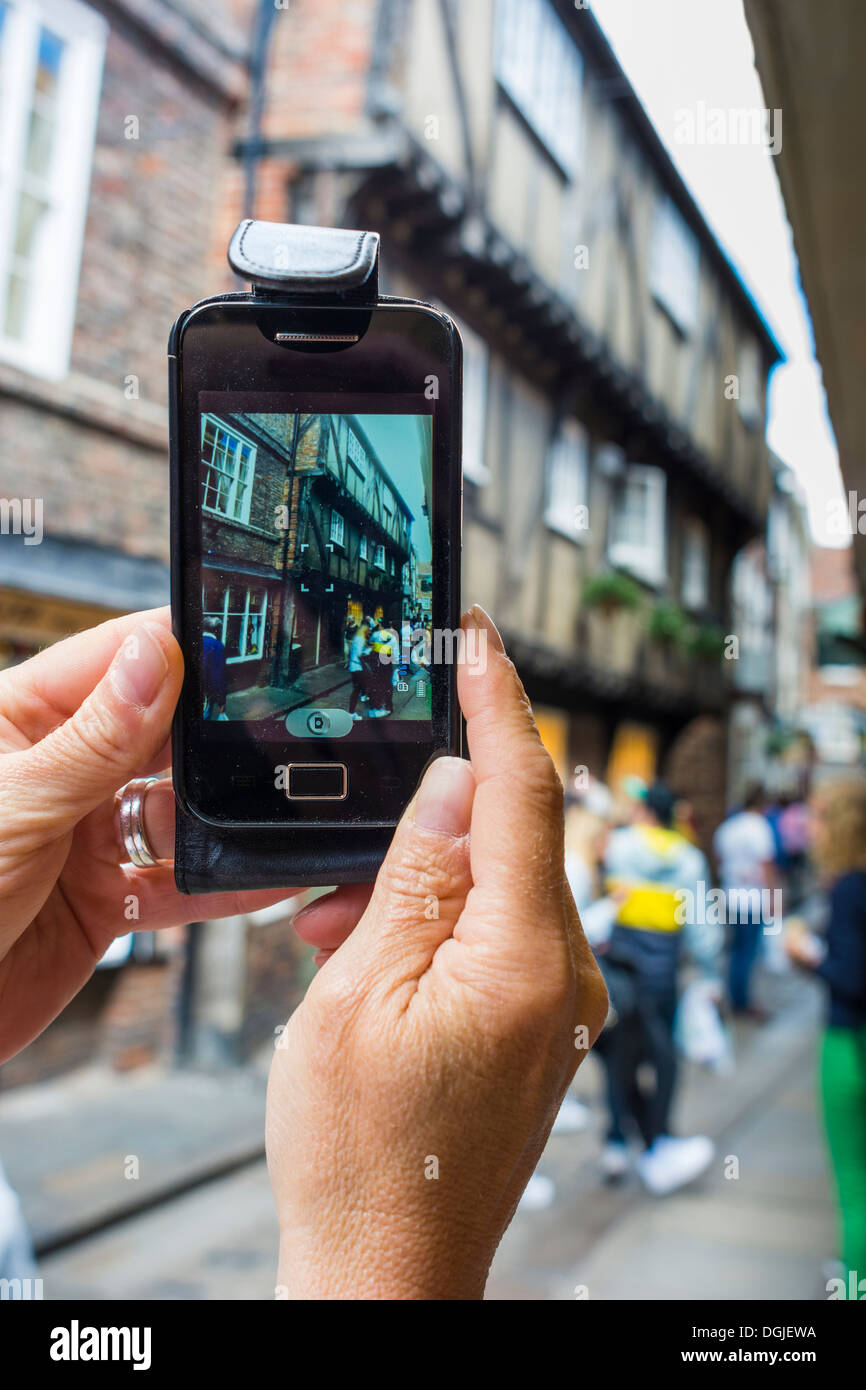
pixel 77 722
pixel 414 1088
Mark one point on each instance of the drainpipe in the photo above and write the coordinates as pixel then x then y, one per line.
pixel 262 27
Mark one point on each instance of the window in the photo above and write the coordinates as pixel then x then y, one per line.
pixel 695 577
pixel 363 548
pixel 637 525
pixel 379 557
pixel 674 265
pixel 387 507
pixel 749 371
pixel 541 69
pixel 338 528
pixel 51 54
pixel 567 482
pixel 357 455
pixel 392 566
pixel 241 613
pixel 475 366
pixel 228 464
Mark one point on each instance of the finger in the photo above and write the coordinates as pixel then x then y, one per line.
pixel 40 693
pixel 517 828
pixel 421 888
pixel 120 727
pixel 328 921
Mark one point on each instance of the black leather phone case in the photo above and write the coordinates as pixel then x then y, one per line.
pixel 308 265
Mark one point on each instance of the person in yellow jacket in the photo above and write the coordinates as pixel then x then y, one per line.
pixel 648 867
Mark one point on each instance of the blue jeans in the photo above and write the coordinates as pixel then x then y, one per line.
pixel 744 950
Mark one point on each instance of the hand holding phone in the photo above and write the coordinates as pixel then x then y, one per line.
pixel 413 1090
pixel 315 561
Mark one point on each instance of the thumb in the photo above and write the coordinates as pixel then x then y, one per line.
pixel 118 730
pixel 421 888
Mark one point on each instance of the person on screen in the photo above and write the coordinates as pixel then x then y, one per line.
pixel 358 649
pixel 213 670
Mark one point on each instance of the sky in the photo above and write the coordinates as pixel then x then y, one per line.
pixel 677 54
pixel 395 439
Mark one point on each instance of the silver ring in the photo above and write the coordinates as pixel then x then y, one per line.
pixel 138 851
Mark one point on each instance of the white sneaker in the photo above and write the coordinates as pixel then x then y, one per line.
pixel 613 1161
pixel 357 717
pixel 671 1163
pixel 377 713
pixel 538 1193
pixel 573 1117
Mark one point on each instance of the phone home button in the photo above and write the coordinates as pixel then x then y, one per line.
pixel 317 782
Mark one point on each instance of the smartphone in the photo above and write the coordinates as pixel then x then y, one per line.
pixel 316 511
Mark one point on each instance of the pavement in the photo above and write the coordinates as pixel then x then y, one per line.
pixel 95 1147
pixel 324 687
pixel 758 1225
pixel 152 1185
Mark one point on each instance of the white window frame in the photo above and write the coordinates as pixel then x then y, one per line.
pixel 567 480
pixel 363 550
pixel 43 349
pixel 646 559
pixel 338 529
pixel 695 564
pixel 245 621
pixel 540 67
pixel 749 370
pixel 379 557
pixel 675 265
pixel 476 367
pixel 243 518
pixel 356 454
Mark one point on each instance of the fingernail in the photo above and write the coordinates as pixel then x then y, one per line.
pixel 139 669
pixel 476 617
pixel 444 799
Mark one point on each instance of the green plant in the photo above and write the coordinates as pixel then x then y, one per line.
pixel 668 623
pixel 611 590
pixel 707 639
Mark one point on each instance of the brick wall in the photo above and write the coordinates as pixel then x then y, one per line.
pixel 94 446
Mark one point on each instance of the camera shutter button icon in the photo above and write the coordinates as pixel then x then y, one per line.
pixel 319 723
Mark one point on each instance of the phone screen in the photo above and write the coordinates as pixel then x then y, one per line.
pixel 318 601
pixel 317 568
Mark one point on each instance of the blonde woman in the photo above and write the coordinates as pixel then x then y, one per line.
pixel 839 849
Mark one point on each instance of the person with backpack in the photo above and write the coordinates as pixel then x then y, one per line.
pixel 649 869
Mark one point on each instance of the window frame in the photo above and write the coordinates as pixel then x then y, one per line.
pixel 749 401
pixel 377 563
pixel 359 464
pixel 569 446
pixel 243 520
pixel 671 240
pixel 476 380
pixel 339 540
pixel 646 561
pixel 245 617
pixel 540 68
pixel 695 598
pixel 44 348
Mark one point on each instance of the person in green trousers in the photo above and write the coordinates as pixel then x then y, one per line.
pixel 839 851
